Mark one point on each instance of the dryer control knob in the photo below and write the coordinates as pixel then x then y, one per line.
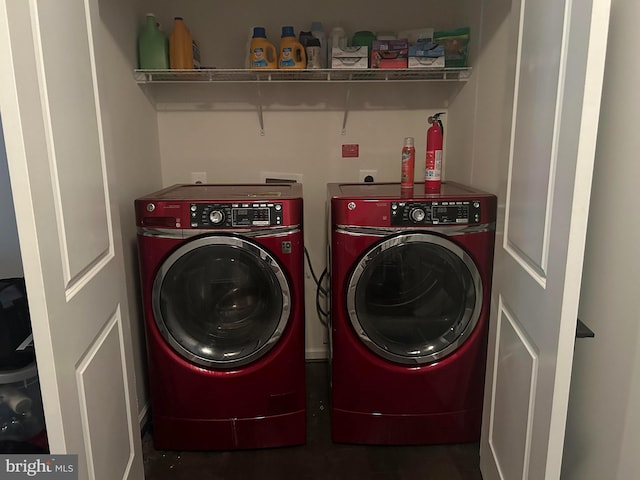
pixel 216 217
pixel 417 214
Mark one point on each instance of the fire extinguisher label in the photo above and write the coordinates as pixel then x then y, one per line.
pixel 433 165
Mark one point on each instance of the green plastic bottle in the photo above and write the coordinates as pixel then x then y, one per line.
pixel 153 48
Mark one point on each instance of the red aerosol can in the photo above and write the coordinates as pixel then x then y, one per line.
pixel 408 163
pixel 433 170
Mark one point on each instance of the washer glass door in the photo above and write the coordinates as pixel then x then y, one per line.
pixel 414 298
pixel 221 301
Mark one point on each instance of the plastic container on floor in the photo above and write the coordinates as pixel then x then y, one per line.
pixel 21 414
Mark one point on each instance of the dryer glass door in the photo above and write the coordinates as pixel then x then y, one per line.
pixel 221 301
pixel 414 298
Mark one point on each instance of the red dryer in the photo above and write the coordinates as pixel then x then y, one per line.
pixel 223 295
pixel 410 293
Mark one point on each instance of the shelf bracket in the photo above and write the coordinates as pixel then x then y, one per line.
pixel 260 117
pixel 346 111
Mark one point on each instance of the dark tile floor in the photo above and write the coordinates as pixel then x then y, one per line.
pixel 319 458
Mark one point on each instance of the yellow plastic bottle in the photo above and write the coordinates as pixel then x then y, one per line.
pixel 180 46
pixel 291 51
pixel 262 52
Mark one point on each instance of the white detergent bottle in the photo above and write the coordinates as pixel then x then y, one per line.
pixel 318 32
pixel 338 39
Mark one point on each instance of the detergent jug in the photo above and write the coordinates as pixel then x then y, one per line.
pixel 153 51
pixel 292 53
pixel 262 52
pixel 181 46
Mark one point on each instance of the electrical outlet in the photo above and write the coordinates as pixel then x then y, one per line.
pixel 198 177
pixel 368 175
pixel 280 177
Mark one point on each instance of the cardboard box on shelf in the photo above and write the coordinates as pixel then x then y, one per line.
pixel 456 46
pixel 416 35
pixel 349 57
pixel 389 53
pixel 426 54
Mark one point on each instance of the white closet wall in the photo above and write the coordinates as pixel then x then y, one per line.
pixel 603 423
pixel 10 260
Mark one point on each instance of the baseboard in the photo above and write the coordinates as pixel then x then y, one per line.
pixel 316 354
pixel 144 418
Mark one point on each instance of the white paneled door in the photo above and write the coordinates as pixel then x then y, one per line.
pixel 561 51
pixel 72 252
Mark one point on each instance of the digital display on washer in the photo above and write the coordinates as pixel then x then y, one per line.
pixel 243 217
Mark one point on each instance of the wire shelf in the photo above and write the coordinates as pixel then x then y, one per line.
pixel 324 75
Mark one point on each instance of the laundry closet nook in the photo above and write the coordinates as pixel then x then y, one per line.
pixel 87 133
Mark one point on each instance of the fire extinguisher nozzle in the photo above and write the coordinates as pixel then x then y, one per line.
pixel 435 117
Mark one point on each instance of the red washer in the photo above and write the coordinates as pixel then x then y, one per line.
pixel 223 295
pixel 410 293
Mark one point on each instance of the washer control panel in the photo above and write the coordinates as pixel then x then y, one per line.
pixel 435 212
pixel 229 215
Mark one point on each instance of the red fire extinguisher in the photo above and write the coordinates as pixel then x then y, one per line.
pixel 433 170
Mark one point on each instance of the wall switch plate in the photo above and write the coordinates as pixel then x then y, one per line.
pixel 198 177
pixel 368 176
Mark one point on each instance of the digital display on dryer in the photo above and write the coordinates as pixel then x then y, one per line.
pixel 231 215
pixel 450 214
pixel 244 217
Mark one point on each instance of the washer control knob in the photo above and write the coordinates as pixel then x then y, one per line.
pixel 150 207
pixel 417 215
pixel 216 217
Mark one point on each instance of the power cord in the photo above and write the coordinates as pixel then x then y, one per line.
pixel 313 274
pixel 320 290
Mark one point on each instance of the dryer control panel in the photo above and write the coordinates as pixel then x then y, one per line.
pixel 230 215
pixel 435 212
